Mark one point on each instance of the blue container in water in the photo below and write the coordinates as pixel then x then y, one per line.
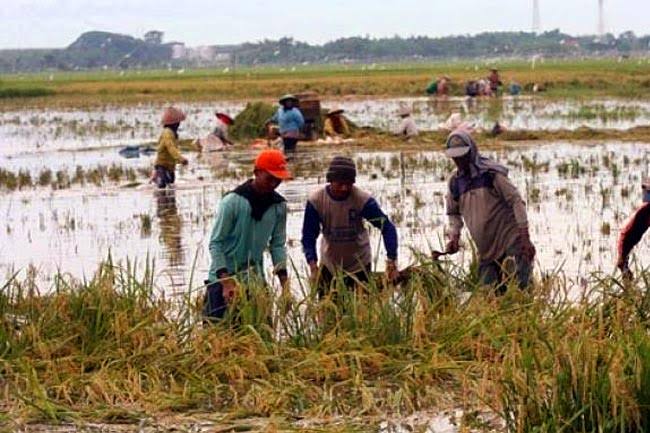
pixel 130 152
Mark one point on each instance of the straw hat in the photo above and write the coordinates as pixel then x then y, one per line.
pixel 333 111
pixel 172 115
pixel 288 97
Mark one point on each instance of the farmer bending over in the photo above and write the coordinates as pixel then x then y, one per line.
pixel 249 220
pixel 481 196
pixel 335 124
pixel 338 211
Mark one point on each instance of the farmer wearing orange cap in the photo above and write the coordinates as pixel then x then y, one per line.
pixel 250 219
pixel 168 154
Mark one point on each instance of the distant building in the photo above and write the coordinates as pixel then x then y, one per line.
pixel 203 53
pixel 154 37
pixel 179 51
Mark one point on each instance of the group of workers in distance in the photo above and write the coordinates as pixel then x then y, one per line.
pixel 252 219
pixel 490 85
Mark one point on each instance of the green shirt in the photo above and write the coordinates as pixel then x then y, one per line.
pixel 238 241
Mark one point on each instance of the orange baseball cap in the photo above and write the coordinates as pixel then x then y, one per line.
pixel 273 162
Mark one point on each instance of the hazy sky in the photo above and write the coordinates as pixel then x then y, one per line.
pixel 57 23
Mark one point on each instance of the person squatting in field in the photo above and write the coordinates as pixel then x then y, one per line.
pixel 168 154
pixel 481 196
pixel 337 211
pixel 407 127
pixel 335 124
pixel 250 219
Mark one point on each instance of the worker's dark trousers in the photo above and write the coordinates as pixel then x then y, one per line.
pixel 164 176
pixel 326 278
pixel 497 273
pixel 214 304
pixel 289 144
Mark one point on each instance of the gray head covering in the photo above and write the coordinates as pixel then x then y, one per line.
pixel 460 142
pixel 341 169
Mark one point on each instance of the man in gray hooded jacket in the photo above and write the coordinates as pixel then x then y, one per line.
pixel 482 197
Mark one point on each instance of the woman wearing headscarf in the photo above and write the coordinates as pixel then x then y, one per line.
pixel 482 197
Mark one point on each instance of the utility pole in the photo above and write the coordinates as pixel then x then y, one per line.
pixel 601 18
pixel 537 22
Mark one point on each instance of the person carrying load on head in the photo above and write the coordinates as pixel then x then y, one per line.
pixel 290 121
pixel 337 211
pixel 335 124
pixel 633 231
pixel 249 220
pixel 482 197
pixel 168 154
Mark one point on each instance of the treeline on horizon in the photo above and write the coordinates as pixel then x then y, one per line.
pixel 97 50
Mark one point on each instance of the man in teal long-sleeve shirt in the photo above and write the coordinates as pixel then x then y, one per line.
pixel 249 220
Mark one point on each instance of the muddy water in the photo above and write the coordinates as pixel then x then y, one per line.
pixel 578 198
pixel 42 130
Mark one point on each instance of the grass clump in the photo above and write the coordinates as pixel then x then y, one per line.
pixel 250 122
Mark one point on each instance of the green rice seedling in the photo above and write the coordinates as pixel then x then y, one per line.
pixel 24 179
pixel 145 225
pixel 79 176
pixel 62 180
pixel 8 180
pixel 115 173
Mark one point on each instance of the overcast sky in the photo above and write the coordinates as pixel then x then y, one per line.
pixel 57 23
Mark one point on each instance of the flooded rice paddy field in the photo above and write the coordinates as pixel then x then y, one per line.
pixel 578 197
pixel 42 130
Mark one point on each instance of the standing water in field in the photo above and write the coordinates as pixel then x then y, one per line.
pixel 34 131
pixel 578 197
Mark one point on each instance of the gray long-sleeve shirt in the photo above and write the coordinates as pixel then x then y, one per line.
pixel 492 209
